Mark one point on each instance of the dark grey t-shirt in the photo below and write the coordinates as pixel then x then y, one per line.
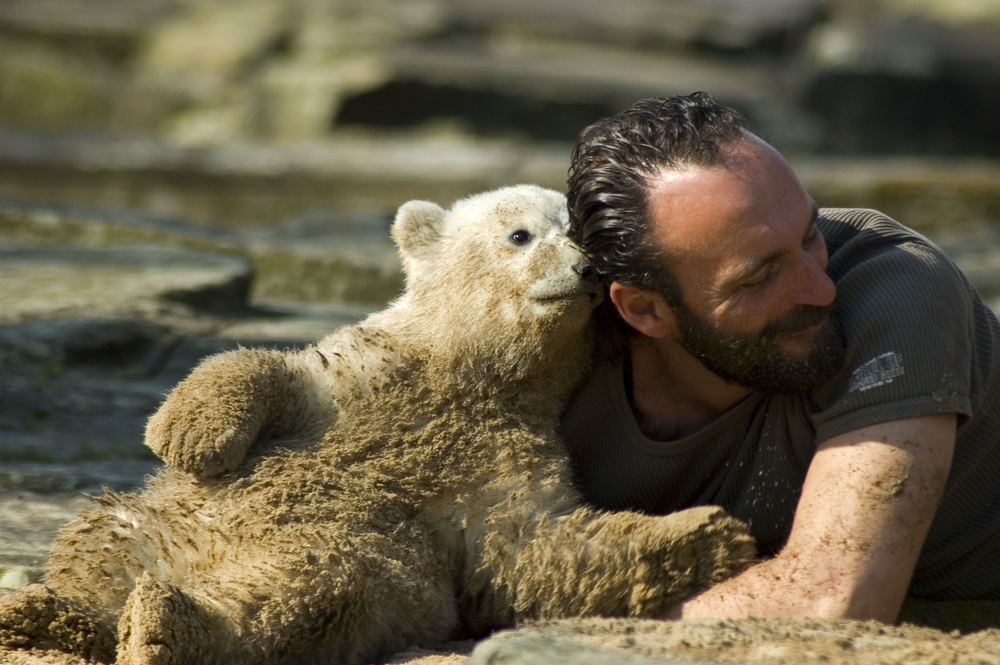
pixel 918 341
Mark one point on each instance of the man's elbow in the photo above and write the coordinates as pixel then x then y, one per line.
pixel 851 599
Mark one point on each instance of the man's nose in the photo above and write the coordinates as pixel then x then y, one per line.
pixel 813 286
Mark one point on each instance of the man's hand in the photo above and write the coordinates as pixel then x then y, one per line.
pixel 866 506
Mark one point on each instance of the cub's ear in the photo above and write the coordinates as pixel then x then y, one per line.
pixel 417 228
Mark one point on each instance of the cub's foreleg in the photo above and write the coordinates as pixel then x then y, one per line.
pixel 210 420
pixel 607 563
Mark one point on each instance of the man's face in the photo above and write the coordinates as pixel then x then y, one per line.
pixel 753 298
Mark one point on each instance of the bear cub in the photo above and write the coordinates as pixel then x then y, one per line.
pixel 397 482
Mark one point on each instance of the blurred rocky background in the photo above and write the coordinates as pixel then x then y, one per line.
pixel 179 176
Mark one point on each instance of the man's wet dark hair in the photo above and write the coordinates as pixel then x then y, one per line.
pixel 613 164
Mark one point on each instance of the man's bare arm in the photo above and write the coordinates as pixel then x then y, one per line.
pixel 866 505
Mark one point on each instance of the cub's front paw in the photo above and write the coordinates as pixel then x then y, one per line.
pixel 202 439
pixel 713 545
pixel 728 547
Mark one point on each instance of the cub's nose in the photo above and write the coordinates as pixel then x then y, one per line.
pixel 584 269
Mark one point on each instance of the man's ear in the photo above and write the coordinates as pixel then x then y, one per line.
pixel 644 310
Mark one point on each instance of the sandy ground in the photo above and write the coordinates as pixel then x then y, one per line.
pixel 929 633
pixel 747 641
pixel 705 641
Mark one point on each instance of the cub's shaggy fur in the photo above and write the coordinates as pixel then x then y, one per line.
pixel 397 481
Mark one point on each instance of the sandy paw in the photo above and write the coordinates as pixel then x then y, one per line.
pixel 155 625
pixel 36 617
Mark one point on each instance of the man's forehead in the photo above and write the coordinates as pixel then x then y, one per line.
pixel 720 215
pixel 693 201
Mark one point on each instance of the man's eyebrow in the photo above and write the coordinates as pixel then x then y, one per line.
pixel 752 266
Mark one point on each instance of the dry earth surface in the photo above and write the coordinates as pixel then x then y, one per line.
pixel 697 642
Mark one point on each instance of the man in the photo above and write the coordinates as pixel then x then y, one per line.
pixel 826 375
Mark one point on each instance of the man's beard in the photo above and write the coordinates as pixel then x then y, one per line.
pixel 756 361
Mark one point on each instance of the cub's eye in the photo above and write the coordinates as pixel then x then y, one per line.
pixel 520 237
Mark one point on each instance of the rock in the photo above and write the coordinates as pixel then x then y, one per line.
pixel 758 641
pixel 889 82
pixel 92 338
pixel 66 66
pixel 203 55
pixel 724 25
pixel 206 43
pixel 245 184
pixel 91 283
pixel 287 324
pixel 853 77
pixel 84 336
pixel 931 195
pixel 110 30
pixel 317 256
pixel 544 91
pixel 43 91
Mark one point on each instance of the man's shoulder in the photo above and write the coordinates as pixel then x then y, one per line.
pixel 851 214
pixel 838 225
pixel 861 241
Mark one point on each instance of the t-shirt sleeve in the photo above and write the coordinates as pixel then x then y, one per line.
pixel 905 312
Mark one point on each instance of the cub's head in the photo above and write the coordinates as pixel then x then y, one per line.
pixel 495 274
